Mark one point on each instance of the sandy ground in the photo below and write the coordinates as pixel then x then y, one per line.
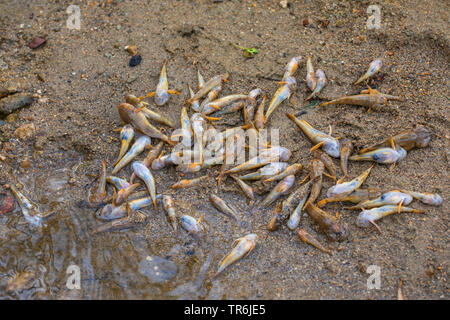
pixel 84 75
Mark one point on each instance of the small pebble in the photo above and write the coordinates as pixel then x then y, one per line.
pixel 135 60
pixel 284 3
pixel 26 131
pixel 36 43
pixel 132 49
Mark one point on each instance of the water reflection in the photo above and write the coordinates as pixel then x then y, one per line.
pixel 114 265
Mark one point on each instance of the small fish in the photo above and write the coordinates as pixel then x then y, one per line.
pixel 223 207
pixel 162 89
pixel 346 152
pixel 249 109
pixel 192 225
pixel 432 199
pixel 212 95
pixel 389 198
pixel 200 80
pixel 373 100
pixel 284 92
pixel 291 67
pixel 131 220
pixel 126 135
pixel 151 156
pixel 266 156
pixel 374 67
pixel 140 145
pixel 308 238
pixel 123 194
pixel 335 230
pixel 419 137
pixel 150 114
pixel 169 208
pixel 382 155
pixel 326 160
pixel 292 169
pixel 246 189
pixel 29 209
pixel 97 194
pixel 329 144
pixel 311 80
pixel 368 217
pixel 221 103
pixel 296 215
pixel 267 171
pixel 145 175
pixel 284 209
pixel 241 247
pixel 195 104
pixel 189 167
pixel 118 183
pixel 128 114
pixel 259 119
pixel 320 84
pixel 164 161
pixel 110 212
pixel 186 183
pixel 356 196
pixel 280 189
pixel 208 86
pixel 348 187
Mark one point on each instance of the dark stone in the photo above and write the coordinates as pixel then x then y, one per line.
pixel 13 103
pixel 135 60
pixel 36 43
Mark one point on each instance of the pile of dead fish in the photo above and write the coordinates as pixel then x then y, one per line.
pixel 205 147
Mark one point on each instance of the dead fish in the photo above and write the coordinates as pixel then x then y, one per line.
pixel 162 89
pixel 310 239
pixel 126 135
pixel 346 152
pixel 374 67
pixel 373 100
pixel 246 189
pixel 241 247
pixel 292 169
pixel 329 144
pixel 432 199
pixel 368 217
pixel 150 114
pixel 382 155
pixel 267 171
pixel 419 137
pixel 151 156
pixel 311 80
pixel 97 194
pixel 140 145
pixel 334 229
pixel 291 67
pixel 145 175
pixel 388 198
pixel 348 187
pixel 186 183
pixel 356 196
pixel 131 220
pixel 169 208
pixel 280 189
pixel 192 225
pixel 213 82
pixel 321 81
pixel 223 207
pixel 128 114
pixel 284 92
